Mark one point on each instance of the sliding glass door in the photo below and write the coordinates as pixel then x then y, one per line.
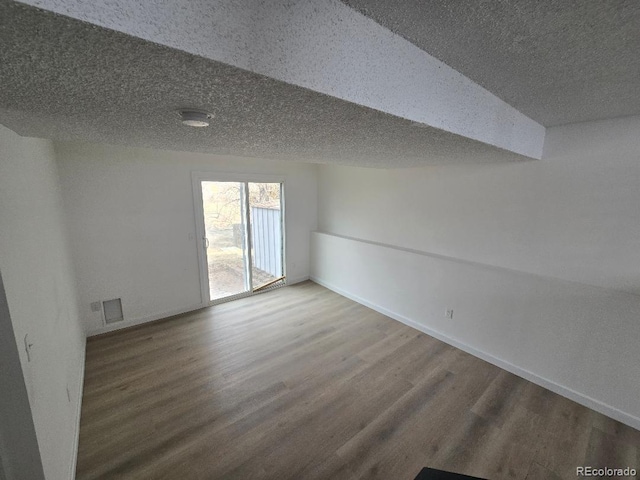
pixel 242 242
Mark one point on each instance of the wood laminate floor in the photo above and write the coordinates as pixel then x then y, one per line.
pixel 301 383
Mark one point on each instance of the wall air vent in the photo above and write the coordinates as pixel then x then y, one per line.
pixel 112 311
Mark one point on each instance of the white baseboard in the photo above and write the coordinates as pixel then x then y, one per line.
pixel 139 321
pixel 76 435
pixel 158 316
pixel 569 393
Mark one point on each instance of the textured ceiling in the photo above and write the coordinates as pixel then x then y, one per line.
pixel 322 45
pixel 311 81
pixel 69 80
pixel 556 61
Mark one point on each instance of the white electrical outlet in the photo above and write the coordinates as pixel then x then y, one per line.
pixel 449 314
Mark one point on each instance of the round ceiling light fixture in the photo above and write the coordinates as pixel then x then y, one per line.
pixel 195 118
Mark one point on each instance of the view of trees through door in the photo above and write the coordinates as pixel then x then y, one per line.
pixel 243 236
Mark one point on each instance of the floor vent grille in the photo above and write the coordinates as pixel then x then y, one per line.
pixel 112 311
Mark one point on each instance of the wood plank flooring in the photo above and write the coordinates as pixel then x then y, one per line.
pixel 301 383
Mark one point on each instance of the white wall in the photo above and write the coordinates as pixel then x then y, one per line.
pixel 492 243
pixel 573 215
pixel 40 289
pixel 19 451
pixel 132 224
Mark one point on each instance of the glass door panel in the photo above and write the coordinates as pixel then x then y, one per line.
pixel 265 205
pixel 224 209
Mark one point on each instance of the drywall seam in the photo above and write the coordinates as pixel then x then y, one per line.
pixel 76 437
pixel 569 393
pixel 471 263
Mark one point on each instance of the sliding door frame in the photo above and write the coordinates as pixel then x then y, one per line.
pixel 196 181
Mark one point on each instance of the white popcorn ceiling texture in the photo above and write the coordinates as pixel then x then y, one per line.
pixel 325 46
pixel 556 61
pixel 70 80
